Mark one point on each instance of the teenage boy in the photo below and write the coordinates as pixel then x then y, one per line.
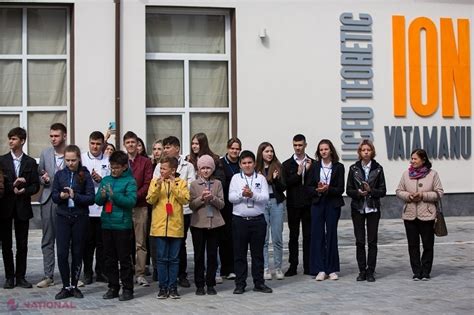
pixel 230 163
pixel 167 195
pixel 142 171
pixel 298 204
pixel 117 194
pixel 98 165
pixel 248 192
pixel 51 161
pixel 21 182
pixel 171 148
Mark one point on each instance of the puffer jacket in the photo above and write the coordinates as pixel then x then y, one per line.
pixel 124 198
pixel 199 217
pixel 162 223
pixel 376 183
pixel 430 186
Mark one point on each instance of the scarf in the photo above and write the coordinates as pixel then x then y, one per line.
pixel 417 173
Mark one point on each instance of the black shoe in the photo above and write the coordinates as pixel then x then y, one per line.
pixel 425 277
pixel 126 295
pixel 173 293
pixel 370 277
pixel 110 294
pixel 63 294
pixel 9 283
pixel 239 290
pixel 362 276
pixel 77 293
pixel 211 291
pixel 416 277
pixel 262 288
pixel 101 278
pixel 87 279
pixel 291 272
pixel 155 275
pixel 163 294
pixel 200 291
pixel 183 282
pixel 22 283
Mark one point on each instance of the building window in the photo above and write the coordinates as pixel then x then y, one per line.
pixel 188 75
pixel 34 72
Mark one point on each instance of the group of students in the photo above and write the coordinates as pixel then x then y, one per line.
pixel 103 201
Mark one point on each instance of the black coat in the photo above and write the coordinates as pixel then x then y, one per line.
pixel 18 206
pixel 333 195
pixel 376 181
pixel 296 195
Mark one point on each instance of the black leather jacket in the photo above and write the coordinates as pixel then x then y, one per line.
pixel 376 181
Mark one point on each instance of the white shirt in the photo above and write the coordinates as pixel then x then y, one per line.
pixel 325 173
pixel 366 169
pixel 101 166
pixel 299 162
pixel 248 207
pixel 186 171
pixel 17 163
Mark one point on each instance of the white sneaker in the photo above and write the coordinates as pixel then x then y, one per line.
pixel 231 276
pixel 279 274
pixel 267 274
pixel 321 276
pixel 219 280
pixel 80 284
pixel 333 276
pixel 46 282
pixel 142 281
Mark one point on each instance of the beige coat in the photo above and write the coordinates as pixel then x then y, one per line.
pixel 199 217
pixel 430 186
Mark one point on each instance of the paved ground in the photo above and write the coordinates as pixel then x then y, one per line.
pixel 451 290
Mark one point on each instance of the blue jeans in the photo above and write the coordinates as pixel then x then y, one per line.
pixel 167 249
pixel 274 216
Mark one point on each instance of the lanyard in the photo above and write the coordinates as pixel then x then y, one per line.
pixel 326 175
pixel 245 177
pixel 229 166
pixel 71 180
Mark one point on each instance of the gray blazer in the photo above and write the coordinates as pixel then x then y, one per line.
pixel 47 163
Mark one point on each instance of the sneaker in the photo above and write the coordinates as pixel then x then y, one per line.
pixel 142 281
pixel 77 293
pixel 231 276
pixel 200 291
pixel 110 294
pixel 425 278
pixel 80 284
pixel 267 274
pixel 333 276
pixel 219 280
pixel 183 282
pixel 211 291
pixel 126 295
pixel 63 294
pixel 321 276
pixel 162 294
pixel 279 274
pixel 46 282
pixel 174 293
pixel 417 277
pixel 239 290
pixel 262 288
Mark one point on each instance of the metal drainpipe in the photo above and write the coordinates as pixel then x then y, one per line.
pixel 118 34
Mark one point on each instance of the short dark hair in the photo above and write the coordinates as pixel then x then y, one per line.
pixel 233 140
pixel 97 135
pixel 299 137
pixel 334 155
pixel 130 135
pixel 17 132
pixel 58 126
pixel 171 160
pixel 119 157
pixel 246 154
pixel 171 140
pixel 424 156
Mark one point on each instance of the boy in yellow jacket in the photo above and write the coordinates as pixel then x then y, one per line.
pixel 167 194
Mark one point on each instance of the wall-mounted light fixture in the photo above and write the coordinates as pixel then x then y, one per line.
pixel 263 33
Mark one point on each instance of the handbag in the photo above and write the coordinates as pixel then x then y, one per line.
pixel 440 228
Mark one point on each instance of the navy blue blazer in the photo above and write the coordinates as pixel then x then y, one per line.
pixel 336 185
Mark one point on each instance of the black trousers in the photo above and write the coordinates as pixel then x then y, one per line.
pixel 70 237
pixel 21 237
pixel 226 245
pixel 359 220
pixel 94 245
pixel 248 232
pixel 424 229
pixel 117 250
pixel 183 255
pixel 295 216
pixel 205 248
